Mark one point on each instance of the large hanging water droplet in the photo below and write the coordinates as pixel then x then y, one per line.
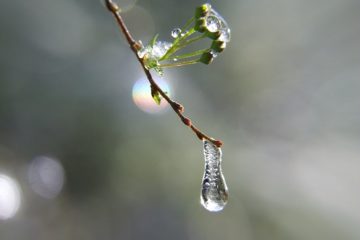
pixel 175 33
pixel 214 192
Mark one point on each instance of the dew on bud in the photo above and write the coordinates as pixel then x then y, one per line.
pixel 213 53
pixel 212 23
pixel 225 35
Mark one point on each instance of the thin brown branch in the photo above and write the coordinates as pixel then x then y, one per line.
pixel 135 46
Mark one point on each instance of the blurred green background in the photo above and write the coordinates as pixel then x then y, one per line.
pixel 79 160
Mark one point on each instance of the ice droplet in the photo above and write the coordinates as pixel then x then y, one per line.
pixel 214 54
pixel 159 49
pixel 214 192
pixel 225 35
pixel 215 22
pixel 175 33
pixel 212 23
pixel 183 33
pixel 141 53
pixel 154 52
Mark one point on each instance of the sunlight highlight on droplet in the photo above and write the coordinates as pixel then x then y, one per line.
pixel 46 176
pixel 142 95
pixel 9 197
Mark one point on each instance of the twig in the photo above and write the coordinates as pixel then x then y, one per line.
pixel 135 47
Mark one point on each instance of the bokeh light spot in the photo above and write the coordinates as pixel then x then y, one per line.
pixel 46 176
pixel 142 95
pixel 9 197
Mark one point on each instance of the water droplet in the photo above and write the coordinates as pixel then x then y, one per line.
pixel 225 35
pixel 141 53
pixel 213 53
pixel 175 33
pixel 159 49
pixel 212 23
pixel 215 22
pixel 183 33
pixel 214 192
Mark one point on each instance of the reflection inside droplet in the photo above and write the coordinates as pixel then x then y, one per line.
pixel 142 95
pixel 46 176
pixel 9 197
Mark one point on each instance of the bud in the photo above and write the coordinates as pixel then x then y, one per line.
pixel 218 46
pixel 200 25
pixel 213 35
pixel 207 58
pixel 202 11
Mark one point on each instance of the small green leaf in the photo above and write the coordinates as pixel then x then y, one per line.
pixel 156 95
pixel 153 40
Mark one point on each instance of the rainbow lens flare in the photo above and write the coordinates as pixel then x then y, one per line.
pixel 141 93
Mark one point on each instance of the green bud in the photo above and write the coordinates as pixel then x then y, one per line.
pixel 156 95
pixel 200 25
pixel 213 35
pixel 207 58
pixel 150 62
pixel 218 46
pixel 202 11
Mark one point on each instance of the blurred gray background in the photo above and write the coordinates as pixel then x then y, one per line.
pixel 79 160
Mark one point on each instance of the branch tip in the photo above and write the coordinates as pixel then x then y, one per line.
pixel 113 7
